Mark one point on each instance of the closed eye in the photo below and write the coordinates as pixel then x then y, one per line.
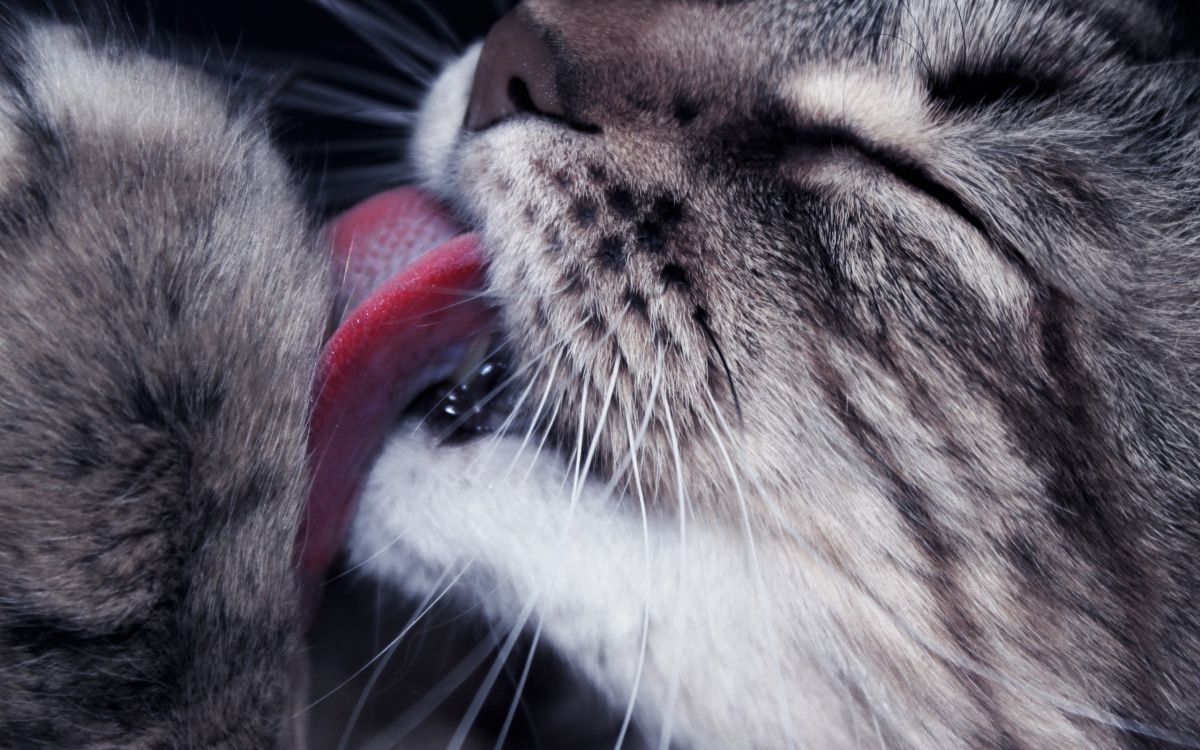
pixel 811 143
pixel 773 139
pixel 818 143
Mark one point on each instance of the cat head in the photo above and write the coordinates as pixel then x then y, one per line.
pixel 909 284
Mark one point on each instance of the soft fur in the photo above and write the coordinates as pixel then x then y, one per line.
pixel 163 303
pixel 868 334
pixel 862 334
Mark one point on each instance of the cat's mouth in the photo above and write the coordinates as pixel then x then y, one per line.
pixel 413 334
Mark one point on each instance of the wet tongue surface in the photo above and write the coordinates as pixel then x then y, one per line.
pixel 406 281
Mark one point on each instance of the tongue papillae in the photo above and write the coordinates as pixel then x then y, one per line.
pixel 407 280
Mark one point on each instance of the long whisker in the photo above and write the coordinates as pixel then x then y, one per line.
pixel 519 624
pixel 464 726
pixel 420 711
pixel 439 21
pixel 399 27
pixel 359 77
pixel 634 447
pixel 382 144
pixel 324 99
pixel 600 423
pixel 423 609
pixel 549 427
pixel 702 320
pixel 756 569
pixel 502 430
pixel 499 389
pixel 388 651
pixel 397 40
pixel 581 471
pixel 664 740
pixel 537 415
pixel 516 701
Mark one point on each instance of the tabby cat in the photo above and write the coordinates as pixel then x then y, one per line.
pixel 830 377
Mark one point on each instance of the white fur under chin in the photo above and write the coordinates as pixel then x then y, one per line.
pixel 516 538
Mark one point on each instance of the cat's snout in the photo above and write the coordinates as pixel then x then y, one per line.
pixel 515 75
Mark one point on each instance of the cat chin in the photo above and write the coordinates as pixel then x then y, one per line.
pixel 677 615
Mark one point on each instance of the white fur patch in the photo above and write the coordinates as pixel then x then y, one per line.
pixel 886 110
pixel 531 548
pixel 440 119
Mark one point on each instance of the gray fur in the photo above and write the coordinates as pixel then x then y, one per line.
pixel 955 355
pixel 163 305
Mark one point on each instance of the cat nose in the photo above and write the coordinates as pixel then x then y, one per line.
pixel 515 74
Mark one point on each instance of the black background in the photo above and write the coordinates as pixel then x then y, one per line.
pixel 271 47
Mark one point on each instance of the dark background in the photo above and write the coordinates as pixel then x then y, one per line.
pixel 279 49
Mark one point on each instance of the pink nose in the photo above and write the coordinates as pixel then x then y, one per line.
pixel 515 74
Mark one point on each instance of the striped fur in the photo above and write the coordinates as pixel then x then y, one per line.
pixel 905 293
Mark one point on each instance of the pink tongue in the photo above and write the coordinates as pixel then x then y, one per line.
pixel 409 315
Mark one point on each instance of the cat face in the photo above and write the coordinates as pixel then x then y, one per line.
pixel 806 231
pixel 885 288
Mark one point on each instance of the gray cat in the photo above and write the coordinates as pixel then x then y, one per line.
pixel 853 351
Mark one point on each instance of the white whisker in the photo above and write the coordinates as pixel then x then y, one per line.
pixel 664 740
pixel 581 470
pixel 756 569
pixel 427 604
pixel 524 367
pixel 439 21
pixel 394 88
pixel 516 701
pixel 634 446
pixel 420 711
pixel 537 415
pixel 499 434
pixel 400 42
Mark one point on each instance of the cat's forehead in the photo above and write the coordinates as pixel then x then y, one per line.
pixel 749 37
pixel 870 65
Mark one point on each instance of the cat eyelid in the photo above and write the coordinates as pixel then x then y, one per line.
pixel 915 176
pixel 774 140
pixel 817 142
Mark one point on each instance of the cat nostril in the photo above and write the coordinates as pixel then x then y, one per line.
pixel 515 74
pixel 518 94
